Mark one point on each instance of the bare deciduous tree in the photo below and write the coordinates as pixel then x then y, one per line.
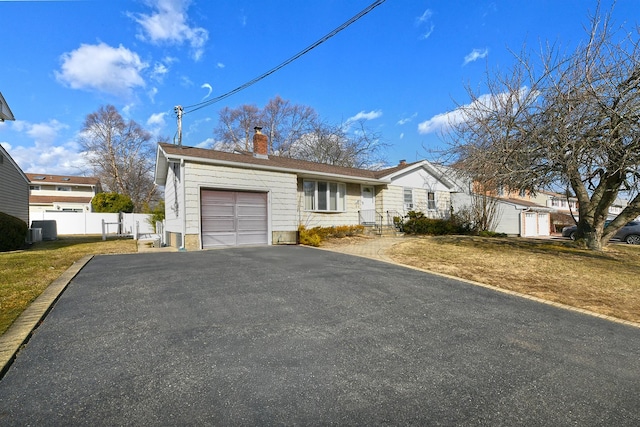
pixel 285 123
pixel 120 154
pixel 296 131
pixel 335 145
pixel 235 127
pixel 560 122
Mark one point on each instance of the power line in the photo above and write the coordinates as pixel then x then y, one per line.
pixel 194 107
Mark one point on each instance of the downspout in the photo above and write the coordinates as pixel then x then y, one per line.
pixel 184 205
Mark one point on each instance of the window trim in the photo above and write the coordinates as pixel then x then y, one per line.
pixel 340 196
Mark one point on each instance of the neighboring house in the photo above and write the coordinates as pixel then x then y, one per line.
pixel 516 214
pixel 14 188
pixel 61 193
pixel 519 217
pixel 216 198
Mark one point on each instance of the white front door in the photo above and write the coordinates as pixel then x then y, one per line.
pixel 368 205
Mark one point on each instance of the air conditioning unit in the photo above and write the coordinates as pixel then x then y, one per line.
pixel 34 235
pixel 49 228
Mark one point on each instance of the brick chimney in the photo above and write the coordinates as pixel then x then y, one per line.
pixel 260 143
pixel 402 162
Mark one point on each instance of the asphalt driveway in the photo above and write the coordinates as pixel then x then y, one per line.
pixel 297 336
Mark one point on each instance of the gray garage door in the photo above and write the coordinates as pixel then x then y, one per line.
pixel 233 218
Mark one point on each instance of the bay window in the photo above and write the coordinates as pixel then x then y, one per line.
pixel 324 196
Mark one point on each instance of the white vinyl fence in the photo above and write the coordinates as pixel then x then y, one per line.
pixel 91 222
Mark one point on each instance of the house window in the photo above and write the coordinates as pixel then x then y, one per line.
pixel 324 196
pixel 35 187
pixel 63 188
pixel 431 201
pixel 408 198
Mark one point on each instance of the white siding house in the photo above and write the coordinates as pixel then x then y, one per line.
pixel 61 193
pixel 14 188
pixel 216 198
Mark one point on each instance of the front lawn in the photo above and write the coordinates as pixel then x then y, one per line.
pixel 25 274
pixel 607 282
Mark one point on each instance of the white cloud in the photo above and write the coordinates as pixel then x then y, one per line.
pixel 425 17
pixel 365 116
pixel 441 122
pixel 484 103
pixel 407 119
pixel 425 21
pixel 156 123
pixel 126 110
pixel 220 65
pixel 209 88
pixel 159 71
pixel 102 68
pixel 46 155
pixel 157 120
pixel 207 143
pixel 152 94
pixel 475 55
pixel 168 23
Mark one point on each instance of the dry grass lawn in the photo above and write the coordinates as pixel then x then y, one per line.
pixel 25 274
pixel 554 270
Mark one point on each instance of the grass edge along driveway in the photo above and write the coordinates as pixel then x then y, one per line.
pixel 25 274
pixel 554 270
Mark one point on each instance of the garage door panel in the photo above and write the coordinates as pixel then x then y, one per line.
pixel 251 198
pixel 217 210
pixel 247 224
pixel 231 218
pixel 216 224
pixel 251 210
pixel 257 238
pixel 218 197
pixel 218 239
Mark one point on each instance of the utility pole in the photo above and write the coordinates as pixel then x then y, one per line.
pixel 179 112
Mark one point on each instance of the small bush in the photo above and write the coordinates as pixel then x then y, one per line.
pixel 314 236
pixel 418 223
pixel 13 232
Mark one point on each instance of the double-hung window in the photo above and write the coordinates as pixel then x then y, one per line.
pixel 431 201
pixel 324 196
pixel 408 199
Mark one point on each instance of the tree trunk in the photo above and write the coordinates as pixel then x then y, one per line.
pixel 593 240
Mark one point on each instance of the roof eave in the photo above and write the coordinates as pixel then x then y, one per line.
pixel 162 165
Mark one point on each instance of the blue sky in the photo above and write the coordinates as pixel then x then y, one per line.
pixel 402 67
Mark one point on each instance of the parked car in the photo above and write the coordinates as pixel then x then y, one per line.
pixel 630 233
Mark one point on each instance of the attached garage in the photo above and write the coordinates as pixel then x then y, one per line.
pixel 233 218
